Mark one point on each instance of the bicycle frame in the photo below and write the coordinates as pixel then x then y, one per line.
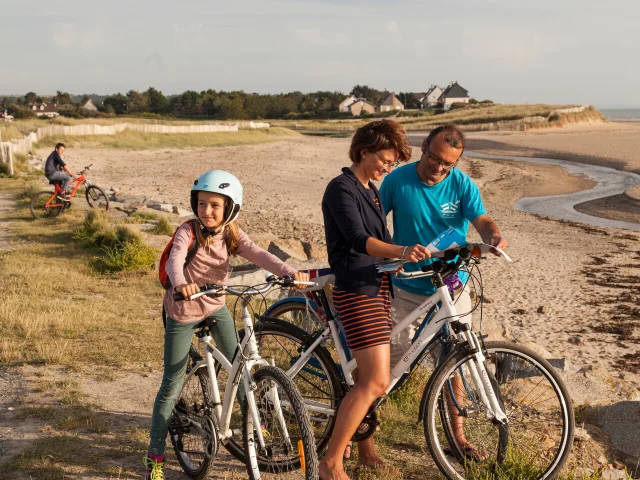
pixel 446 312
pixel 77 181
pixel 246 358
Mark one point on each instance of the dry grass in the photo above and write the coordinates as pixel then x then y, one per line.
pixel 54 309
pixel 141 140
pixel 475 114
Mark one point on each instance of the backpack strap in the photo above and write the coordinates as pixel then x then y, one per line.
pixel 193 244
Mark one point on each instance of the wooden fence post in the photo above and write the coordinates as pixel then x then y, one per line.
pixel 10 159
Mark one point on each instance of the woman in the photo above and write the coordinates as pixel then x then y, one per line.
pixel 357 237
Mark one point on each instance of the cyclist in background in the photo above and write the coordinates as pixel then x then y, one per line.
pixel 57 171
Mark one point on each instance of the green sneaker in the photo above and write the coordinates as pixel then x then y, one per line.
pixel 155 469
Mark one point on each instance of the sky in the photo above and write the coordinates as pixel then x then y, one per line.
pixel 509 51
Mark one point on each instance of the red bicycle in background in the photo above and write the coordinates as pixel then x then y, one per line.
pixel 47 204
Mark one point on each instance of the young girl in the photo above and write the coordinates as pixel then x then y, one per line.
pixel 216 200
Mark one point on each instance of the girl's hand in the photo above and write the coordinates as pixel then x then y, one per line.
pixel 188 290
pixel 415 253
pixel 301 277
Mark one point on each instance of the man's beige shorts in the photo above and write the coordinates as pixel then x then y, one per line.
pixel 402 304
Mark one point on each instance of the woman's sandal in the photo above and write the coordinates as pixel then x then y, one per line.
pixel 470 452
pixel 347 451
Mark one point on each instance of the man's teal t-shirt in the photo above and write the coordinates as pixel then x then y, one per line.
pixel 421 212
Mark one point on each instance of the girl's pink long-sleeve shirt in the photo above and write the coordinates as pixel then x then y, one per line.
pixel 210 265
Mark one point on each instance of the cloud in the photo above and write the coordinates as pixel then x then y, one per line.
pixel 154 60
pixel 320 38
pixel 64 36
pixel 504 45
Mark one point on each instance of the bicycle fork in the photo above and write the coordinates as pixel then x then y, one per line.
pixel 480 378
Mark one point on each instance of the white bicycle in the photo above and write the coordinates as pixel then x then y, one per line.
pixel 276 433
pixel 511 404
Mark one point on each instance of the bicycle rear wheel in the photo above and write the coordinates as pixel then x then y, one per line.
pixel 537 439
pixel 299 314
pixel 192 429
pixel 42 208
pixel 96 198
pixel 289 443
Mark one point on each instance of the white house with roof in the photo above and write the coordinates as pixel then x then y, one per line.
pixel 344 105
pixel 44 109
pixel 391 102
pixel 454 93
pixel 430 98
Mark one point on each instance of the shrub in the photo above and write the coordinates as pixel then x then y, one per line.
pixel 134 255
pixel 163 227
pixel 145 215
pixel 121 247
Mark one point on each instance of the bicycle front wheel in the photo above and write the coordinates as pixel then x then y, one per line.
pixel 46 205
pixel 533 444
pixel 289 445
pixel 96 198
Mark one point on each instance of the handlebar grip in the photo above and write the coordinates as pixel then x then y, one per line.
pixel 426 268
pixel 178 297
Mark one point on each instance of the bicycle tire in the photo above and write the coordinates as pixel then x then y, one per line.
pixel 520 375
pixel 96 198
pixel 299 429
pixel 298 314
pixel 194 404
pixel 40 210
pixel 320 368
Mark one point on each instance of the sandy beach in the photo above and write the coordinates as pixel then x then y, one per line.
pixel 586 278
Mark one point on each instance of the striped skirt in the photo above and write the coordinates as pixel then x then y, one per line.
pixel 366 320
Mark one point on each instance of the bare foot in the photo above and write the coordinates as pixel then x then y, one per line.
pixel 331 472
pixel 370 461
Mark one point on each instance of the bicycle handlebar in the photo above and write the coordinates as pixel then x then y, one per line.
pixel 218 290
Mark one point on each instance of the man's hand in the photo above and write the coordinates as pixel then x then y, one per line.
pixel 489 232
pixel 499 242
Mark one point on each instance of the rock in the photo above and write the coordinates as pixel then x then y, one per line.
pixel 181 212
pixel 602 460
pixel 115 189
pixel 613 474
pixel 562 364
pixel 161 206
pixel 315 251
pixel 581 435
pixel 620 421
pixel 133 202
pixel 287 249
pixel 576 341
pixel 542 309
pixel 519 311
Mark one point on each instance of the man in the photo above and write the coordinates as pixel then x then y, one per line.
pixel 56 170
pixel 426 198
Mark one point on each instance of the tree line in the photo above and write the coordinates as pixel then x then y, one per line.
pixel 219 105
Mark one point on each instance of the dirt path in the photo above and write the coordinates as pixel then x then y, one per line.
pixel 6 205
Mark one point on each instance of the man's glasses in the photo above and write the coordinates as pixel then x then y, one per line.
pixel 386 163
pixel 444 165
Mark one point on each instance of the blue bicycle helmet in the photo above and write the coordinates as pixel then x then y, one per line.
pixel 223 183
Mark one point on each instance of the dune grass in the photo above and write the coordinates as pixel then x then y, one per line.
pixel 140 140
pixel 474 114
